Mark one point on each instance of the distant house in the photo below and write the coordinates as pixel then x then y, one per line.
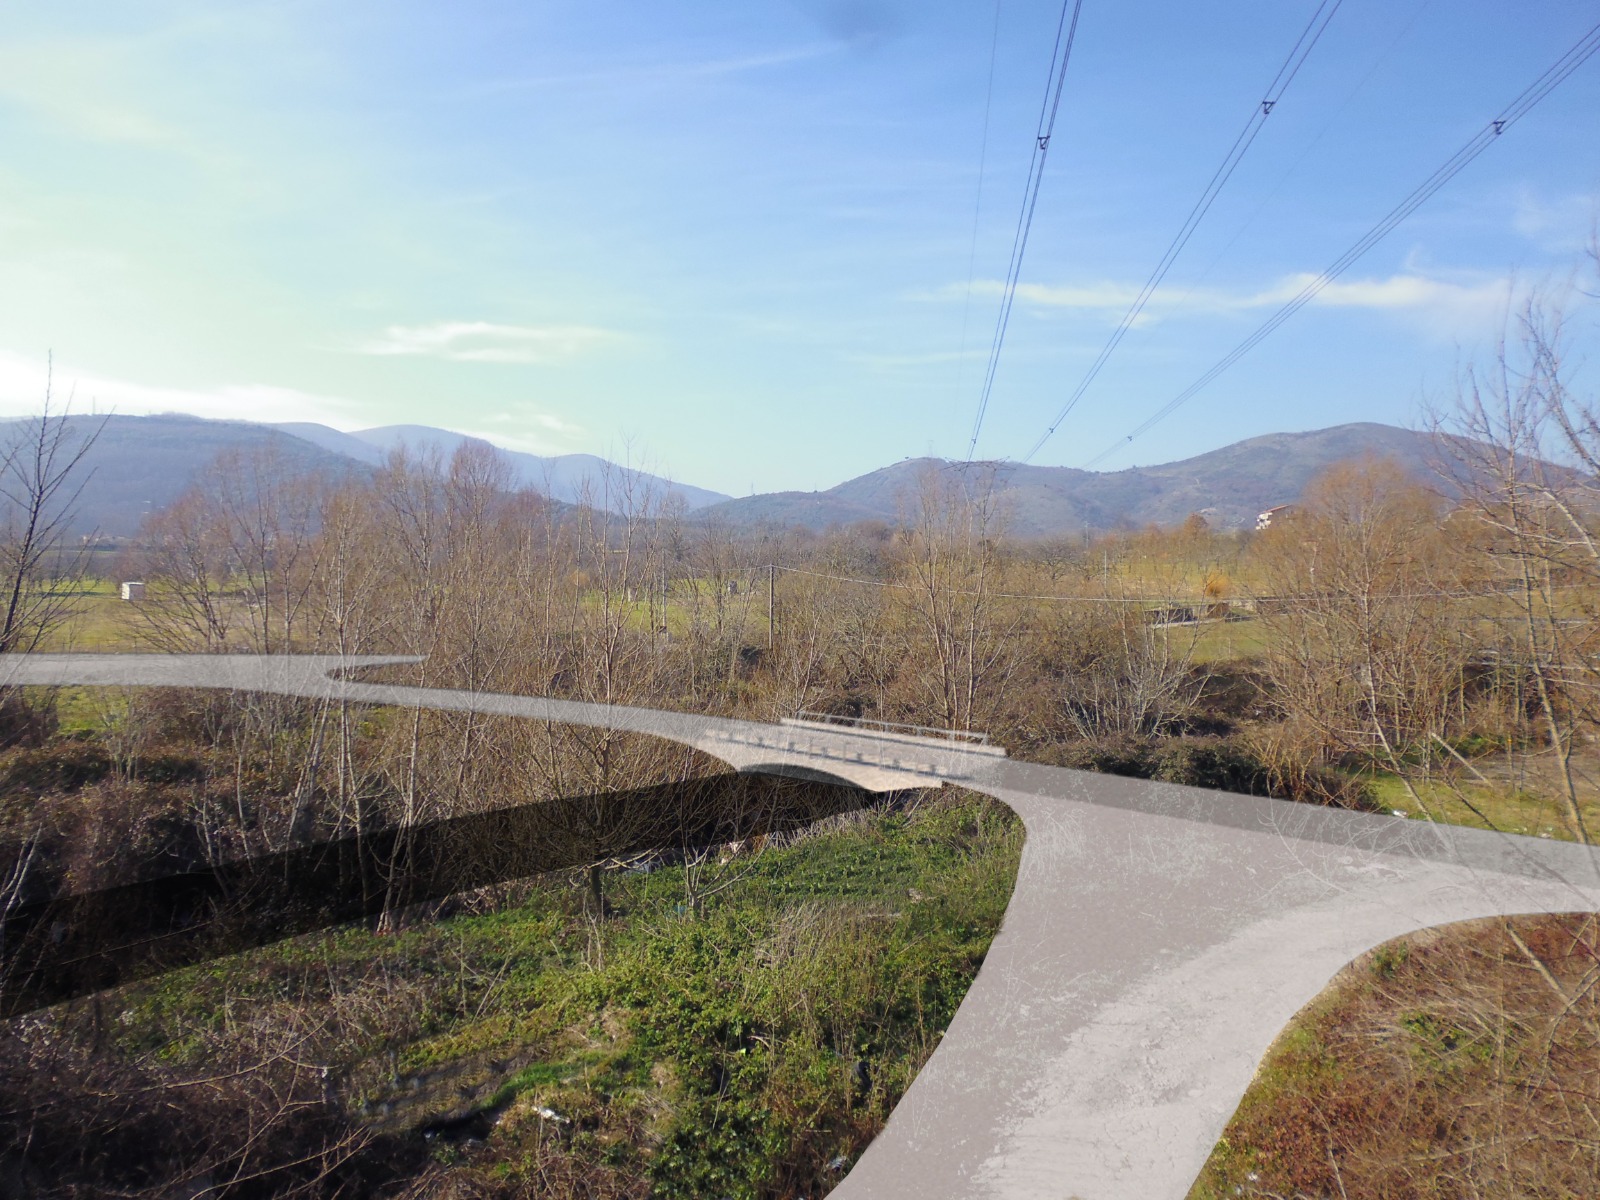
pixel 1264 520
pixel 133 590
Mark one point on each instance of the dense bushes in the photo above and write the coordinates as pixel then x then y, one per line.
pixel 26 720
pixel 65 764
pixel 1222 764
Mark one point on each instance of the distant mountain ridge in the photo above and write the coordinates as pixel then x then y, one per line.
pixel 142 464
pixel 565 477
pixel 139 465
pixel 1229 487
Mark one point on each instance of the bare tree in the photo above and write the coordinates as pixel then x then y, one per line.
pixel 1528 464
pixel 617 546
pixel 1122 674
pixel 348 619
pixel 815 614
pixel 186 565
pixel 952 564
pixel 40 482
pixel 719 595
pixel 1357 600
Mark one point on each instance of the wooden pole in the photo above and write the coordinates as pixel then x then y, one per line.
pixel 772 581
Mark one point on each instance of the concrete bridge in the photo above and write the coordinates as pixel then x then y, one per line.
pixel 1158 939
pixel 876 760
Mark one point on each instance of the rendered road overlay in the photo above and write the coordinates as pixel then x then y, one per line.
pixel 1158 938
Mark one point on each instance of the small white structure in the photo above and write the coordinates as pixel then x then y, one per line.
pixel 1264 520
pixel 133 590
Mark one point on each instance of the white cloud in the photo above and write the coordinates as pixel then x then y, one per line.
pixel 1463 308
pixel 529 432
pixel 1465 303
pixel 521 443
pixel 557 425
pixel 23 381
pixel 1110 296
pixel 1112 299
pixel 484 341
pixel 1560 225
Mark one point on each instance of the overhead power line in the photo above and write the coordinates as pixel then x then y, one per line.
pixel 977 200
pixel 1060 55
pixel 1267 196
pixel 1541 87
pixel 1304 44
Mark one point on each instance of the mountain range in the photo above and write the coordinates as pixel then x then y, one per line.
pixel 564 477
pixel 141 464
pixel 1229 487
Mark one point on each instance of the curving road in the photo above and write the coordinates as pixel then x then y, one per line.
pixel 1158 939
pixel 876 761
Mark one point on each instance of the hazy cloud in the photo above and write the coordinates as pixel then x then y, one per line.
pixel 23 381
pixel 541 433
pixel 1448 303
pixel 556 425
pixel 486 342
pixel 1397 291
pixel 1562 224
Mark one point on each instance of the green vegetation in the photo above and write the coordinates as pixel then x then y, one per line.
pixel 1502 805
pixel 749 1049
pixel 1229 641
pixel 96 618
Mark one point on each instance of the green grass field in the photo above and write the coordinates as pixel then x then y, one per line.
pixel 99 621
pixel 1499 805
pixel 1222 641
pixel 749 1047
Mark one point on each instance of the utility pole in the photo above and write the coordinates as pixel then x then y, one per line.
pixel 772 582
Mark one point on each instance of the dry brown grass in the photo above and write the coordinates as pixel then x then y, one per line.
pixel 1461 1063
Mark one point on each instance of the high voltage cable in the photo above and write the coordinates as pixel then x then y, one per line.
pixel 1270 193
pixel 977 200
pixel 1060 55
pixel 1274 91
pixel 1541 87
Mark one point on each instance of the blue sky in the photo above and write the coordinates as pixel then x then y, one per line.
pixel 736 242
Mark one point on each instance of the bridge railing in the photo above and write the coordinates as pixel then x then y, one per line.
pixel 965 736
